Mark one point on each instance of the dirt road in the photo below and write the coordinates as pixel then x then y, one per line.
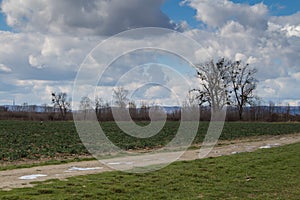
pixel 23 177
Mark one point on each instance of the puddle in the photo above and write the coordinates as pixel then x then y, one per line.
pixel 265 147
pixel 82 169
pixel 119 163
pixel 268 146
pixel 128 163
pixel 31 177
pixel 114 163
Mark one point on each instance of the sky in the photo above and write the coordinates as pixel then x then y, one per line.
pixel 45 44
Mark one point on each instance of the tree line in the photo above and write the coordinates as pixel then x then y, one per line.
pixel 222 84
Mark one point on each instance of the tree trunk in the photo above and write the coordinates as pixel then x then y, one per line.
pixel 241 113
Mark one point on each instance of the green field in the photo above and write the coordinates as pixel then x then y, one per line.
pixel 264 174
pixel 22 140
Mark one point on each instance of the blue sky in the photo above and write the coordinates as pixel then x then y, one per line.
pixel 3 25
pixel 179 12
pixel 43 53
pixel 277 7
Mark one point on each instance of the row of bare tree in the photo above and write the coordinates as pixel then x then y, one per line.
pixel 104 113
pixel 222 84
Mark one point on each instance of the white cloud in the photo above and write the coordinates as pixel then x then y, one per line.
pixel 280 88
pixel 53 38
pixel 33 61
pixel 271 50
pixel 216 13
pixel 293 19
pixel 40 90
pixel 4 68
pixel 292 30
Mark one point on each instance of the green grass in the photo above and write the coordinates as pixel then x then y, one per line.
pixel 264 174
pixel 23 140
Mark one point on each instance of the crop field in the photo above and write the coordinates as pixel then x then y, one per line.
pixel 264 174
pixel 23 140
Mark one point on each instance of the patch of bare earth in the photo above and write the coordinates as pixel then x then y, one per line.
pixel 58 157
pixel 24 177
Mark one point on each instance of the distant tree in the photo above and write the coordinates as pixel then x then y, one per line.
pixel 243 83
pixel 132 109
pixel 59 100
pixel 271 108
pixel 102 109
pixel 120 96
pixel 288 112
pixel 144 111
pixel 99 105
pixel 256 109
pixel 107 112
pixel 157 113
pixel 86 105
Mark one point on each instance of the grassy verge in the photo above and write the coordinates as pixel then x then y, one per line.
pixel 264 174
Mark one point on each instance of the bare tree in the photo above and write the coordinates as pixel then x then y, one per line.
pixel 99 105
pixel 60 101
pixel 288 112
pixel 86 106
pixel 243 83
pixel 144 111
pixel 271 110
pixel 102 109
pixel 225 83
pixel 256 109
pixel 213 77
pixel 132 110
pixel 120 96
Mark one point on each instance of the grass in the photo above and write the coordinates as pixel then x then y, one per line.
pixel 27 140
pixel 264 174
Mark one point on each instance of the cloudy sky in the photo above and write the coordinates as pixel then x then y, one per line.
pixel 44 44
